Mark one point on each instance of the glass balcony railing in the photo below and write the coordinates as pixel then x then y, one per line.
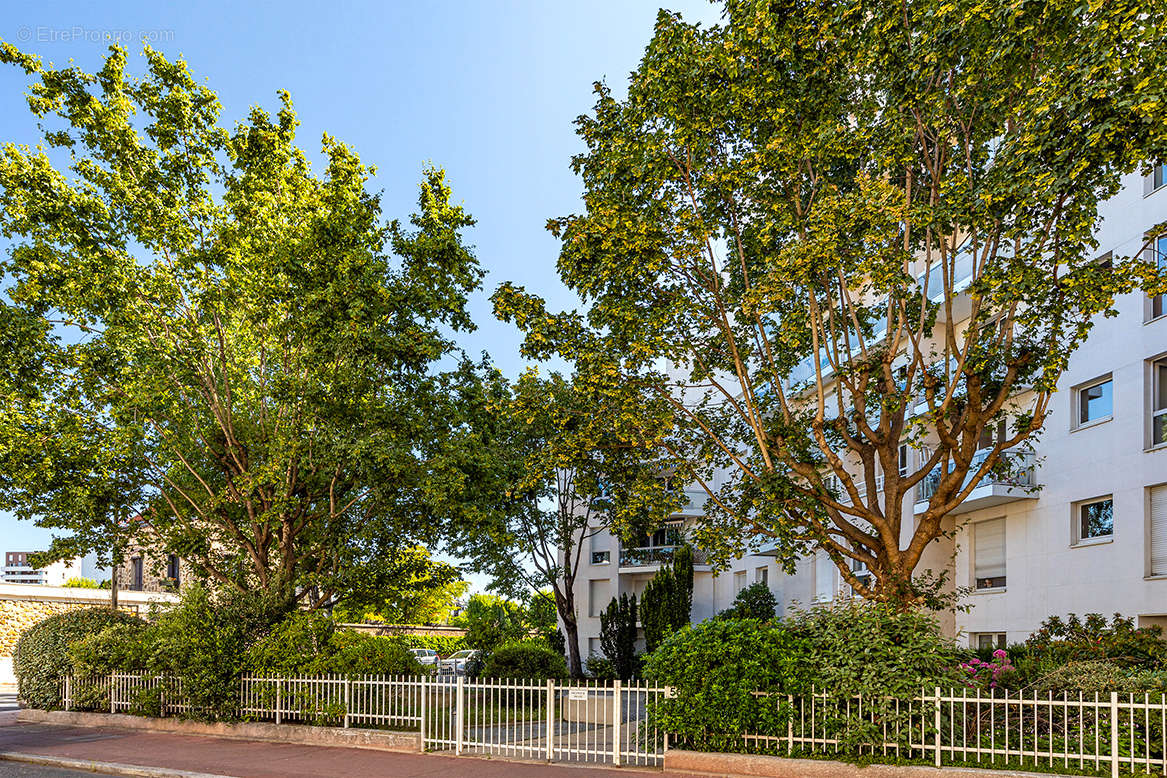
pixel 1015 469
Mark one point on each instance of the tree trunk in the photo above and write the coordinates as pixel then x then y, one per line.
pixel 571 637
pixel 113 586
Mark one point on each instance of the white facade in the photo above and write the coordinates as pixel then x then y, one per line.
pixel 1027 553
pixel 17 569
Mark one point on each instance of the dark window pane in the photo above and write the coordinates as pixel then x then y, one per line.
pixel 1098 519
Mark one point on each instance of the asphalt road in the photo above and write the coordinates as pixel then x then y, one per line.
pixel 18 770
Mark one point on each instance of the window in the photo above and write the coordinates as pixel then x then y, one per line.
pixel 1159 402
pixel 987 640
pixel 601 557
pixel 1094 519
pixel 597 543
pixel 599 595
pixel 1158 530
pixel 905 461
pixel 739 581
pixel 824 577
pixel 136 583
pixel 762 575
pixel 991 434
pixel 594 647
pixel 173 569
pixel 1094 402
pixel 989 554
pixel 1159 257
pixel 1158 176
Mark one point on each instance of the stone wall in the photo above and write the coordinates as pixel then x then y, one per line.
pixel 23 605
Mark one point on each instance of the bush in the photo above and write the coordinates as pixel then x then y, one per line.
pixel 618 635
pixel 756 601
pixel 600 668
pixel 118 648
pixel 291 645
pixel 667 601
pixel 81 583
pixel 443 644
pixel 874 650
pixel 204 640
pixel 714 669
pixel 351 653
pixel 528 659
pixel 1059 642
pixel 42 657
pixel 1101 675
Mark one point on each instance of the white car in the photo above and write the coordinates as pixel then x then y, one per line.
pixel 455 664
pixel 427 657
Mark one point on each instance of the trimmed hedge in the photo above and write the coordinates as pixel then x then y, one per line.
pixel 42 657
pixel 528 659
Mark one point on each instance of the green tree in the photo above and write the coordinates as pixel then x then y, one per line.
pixel 667 601
pixel 248 341
pixel 618 634
pixel 405 587
pixel 571 456
pixel 491 621
pixel 756 601
pixel 808 221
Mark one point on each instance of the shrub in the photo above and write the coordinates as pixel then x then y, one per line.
pixel 42 657
pixel 600 667
pixel 528 659
pixel 292 644
pixel 985 674
pixel 1101 675
pixel 715 668
pixel 443 644
pixel 872 649
pixel 81 583
pixel 118 648
pixel 756 601
pixel 1058 642
pixel 618 634
pixel 204 640
pixel 668 598
pixel 351 653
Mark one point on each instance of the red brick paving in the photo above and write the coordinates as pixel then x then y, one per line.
pixel 252 759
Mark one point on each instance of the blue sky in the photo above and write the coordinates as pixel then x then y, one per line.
pixel 488 90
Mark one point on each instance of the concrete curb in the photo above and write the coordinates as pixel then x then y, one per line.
pixel 701 763
pixel 105 768
pixel 375 739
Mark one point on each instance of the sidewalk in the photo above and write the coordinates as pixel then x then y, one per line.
pixel 250 759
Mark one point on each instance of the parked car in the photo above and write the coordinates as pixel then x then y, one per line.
pixel 455 664
pixel 427 657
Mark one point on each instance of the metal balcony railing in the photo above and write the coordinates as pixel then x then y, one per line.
pixel 1014 469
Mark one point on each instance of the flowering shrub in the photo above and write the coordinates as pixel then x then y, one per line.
pixel 981 674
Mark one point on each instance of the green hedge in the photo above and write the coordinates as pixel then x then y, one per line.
pixel 443 644
pixel 42 657
pixel 528 659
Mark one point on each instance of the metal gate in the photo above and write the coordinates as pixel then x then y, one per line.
pixel 572 721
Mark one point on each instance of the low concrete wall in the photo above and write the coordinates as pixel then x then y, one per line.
pixel 376 739
pixel 780 767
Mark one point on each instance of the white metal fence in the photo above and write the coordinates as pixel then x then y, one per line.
pixel 617 723
pixel 1118 733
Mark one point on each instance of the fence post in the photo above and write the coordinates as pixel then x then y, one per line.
pixel 424 684
pixel 1114 735
pixel 459 709
pixel 616 722
pixel 550 719
pixel 279 700
pixel 348 694
pixel 937 726
pixel 790 725
pixel 113 683
pixel 68 691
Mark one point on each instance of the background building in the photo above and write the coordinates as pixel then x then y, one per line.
pixel 18 569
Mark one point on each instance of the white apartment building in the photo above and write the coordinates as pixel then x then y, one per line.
pixel 17 569
pixel 1091 538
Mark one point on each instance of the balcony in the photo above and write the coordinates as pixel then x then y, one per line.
pixel 694 503
pixel 1016 480
pixel 649 558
